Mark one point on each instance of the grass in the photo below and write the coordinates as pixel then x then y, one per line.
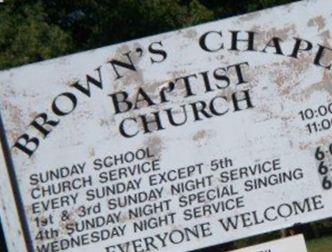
pixel 320 245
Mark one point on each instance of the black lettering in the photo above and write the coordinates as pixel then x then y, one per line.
pixel 236 99
pixel 160 52
pixel 41 125
pixel 29 145
pixel 120 99
pixel 203 38
pixel 236 40
pixel 61 111
pixel 298 47
pixel 320 54
pixel 128 65
pixel 89 80
pixel 274 43
pixel 122 128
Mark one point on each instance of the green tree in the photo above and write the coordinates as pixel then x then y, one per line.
pixel 35 30
pixel 97 23
pixel 25 36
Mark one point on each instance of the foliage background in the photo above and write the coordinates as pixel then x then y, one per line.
pixel 35 30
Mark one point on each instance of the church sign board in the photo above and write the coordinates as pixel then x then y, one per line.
pixel 173 142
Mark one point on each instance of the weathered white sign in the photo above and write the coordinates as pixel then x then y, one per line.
pixel 172 142
pixel 293 243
